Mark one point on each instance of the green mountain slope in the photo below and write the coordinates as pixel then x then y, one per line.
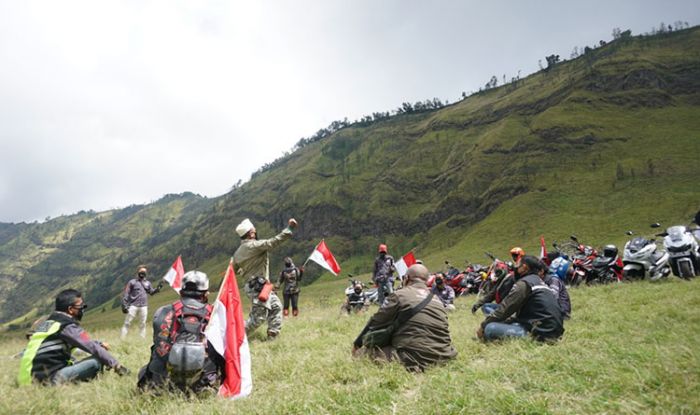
pixel 594 146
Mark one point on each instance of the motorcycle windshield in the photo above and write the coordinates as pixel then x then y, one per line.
pixel 676 233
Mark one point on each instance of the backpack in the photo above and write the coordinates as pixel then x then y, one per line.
pixel 188 353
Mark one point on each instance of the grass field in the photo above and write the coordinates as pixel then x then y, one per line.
pixel 629 349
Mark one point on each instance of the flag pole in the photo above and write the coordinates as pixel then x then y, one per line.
pixel 307 259
pixel 230 262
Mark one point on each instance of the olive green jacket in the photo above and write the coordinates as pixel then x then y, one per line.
pixel 422 340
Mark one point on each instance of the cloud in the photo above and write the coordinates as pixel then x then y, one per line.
pixel 105 104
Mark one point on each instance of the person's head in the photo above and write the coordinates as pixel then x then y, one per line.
pixel 516 253
pixel 357 288
pixel 288 262
pixel 71 302
pixel 195 284
pixel 439 280
pixel 382 249
pixel 141 271
pixel 246 229
pixel 417 272
pixel 528 264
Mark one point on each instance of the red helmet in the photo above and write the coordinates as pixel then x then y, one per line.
pixel 517 253
pixel 382 248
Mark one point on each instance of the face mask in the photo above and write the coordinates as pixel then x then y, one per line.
pixel 142 275
pixel 79 316
pixel 358 290
pixel 288 264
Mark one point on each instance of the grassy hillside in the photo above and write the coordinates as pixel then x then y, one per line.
pixel 594 146
pixel 629 349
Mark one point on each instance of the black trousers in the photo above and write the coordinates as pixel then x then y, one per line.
pixel 294 298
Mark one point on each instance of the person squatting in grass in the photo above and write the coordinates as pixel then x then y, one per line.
pixel 252 264
pixel 536 309
pixel 181 356
pixel 47 358
pixel 135 300
pixel 290 277
pixel 422 340
pixel 444 292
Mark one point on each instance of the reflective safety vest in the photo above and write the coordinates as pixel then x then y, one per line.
pixel 46 353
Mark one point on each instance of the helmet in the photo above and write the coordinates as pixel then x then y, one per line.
pixel 517 253
pixel 196 278
pixel 610 251
pixel 382 248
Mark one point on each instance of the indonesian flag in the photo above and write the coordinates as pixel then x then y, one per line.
pixel 543 250
pixel 404 263
pixel 174 275
pixel 323 257
pixel 226 333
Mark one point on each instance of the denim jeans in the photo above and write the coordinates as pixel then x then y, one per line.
pixel 496 331
pixel 489 308
pixel 84 370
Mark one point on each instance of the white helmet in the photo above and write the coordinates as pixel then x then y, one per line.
pixel 198 278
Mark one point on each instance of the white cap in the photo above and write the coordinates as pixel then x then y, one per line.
pixel 244 227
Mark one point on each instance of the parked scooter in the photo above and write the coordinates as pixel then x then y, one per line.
pixel 682 248
pixel 643 259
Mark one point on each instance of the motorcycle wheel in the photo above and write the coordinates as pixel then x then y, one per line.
pixel 684 270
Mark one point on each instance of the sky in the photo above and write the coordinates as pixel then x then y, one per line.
pixel 104 104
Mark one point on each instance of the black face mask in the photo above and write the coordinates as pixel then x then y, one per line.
pixel 142 275
pixel 79 316
pixel 288 264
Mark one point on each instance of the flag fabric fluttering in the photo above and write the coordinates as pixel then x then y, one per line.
pixel 323 257
pixel 226 333
pixel 543 251
pixel 404 263
pixel 174 275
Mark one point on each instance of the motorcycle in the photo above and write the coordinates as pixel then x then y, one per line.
pixel 642 258
pixel 454 278
pixel 474 276
pixel 582 257
pixel 606 268
pixel 682 248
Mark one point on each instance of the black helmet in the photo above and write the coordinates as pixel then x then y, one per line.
pixel 610 251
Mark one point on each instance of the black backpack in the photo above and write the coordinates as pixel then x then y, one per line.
pixel 188 352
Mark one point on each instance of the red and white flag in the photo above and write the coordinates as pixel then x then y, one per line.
pixel 543 250
pixel 226 333
pixel 323 257
pixel 404 263
pixel 174 275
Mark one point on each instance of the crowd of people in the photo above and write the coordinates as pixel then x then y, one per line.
pixel 410 326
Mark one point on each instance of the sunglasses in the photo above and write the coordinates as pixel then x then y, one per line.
pixel 82 306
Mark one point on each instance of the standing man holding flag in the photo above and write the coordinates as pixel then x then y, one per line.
pixel 252 263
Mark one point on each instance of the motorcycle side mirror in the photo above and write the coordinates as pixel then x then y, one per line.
pixel 573 238
pixel 656 225
pixel 629 233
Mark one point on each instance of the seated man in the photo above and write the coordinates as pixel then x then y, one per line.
pixel 444 292
pixel 423 339
pixel 536 309
pixel 181 356
pixel 356 301
pixel 48 359
pixel 494 289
